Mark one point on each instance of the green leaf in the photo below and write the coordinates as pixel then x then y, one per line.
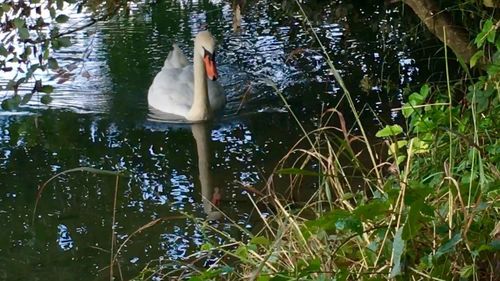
pixel 52 12
pixel 62 18
pixel 347 196
pixel 484 34
pixel 496 57
pixel 17 99
pixel 387 131
pixel 47 89
pixel 52 63
pixel 252 247
pixel 18 22
pixel 60 4
pixel 396 146
pixel 281 276
pixel 11 103
pixel 412 224
pixel 350 223
pixel 206 247
pixel 306 267
pixel 467 271
pixel 372 210
pixel 24 34
pixel 6 105
pixel 417 193
pixel 6 7
pixel 473 60
pixel 416 98
pixel 398 247
pixel 491 36
pixel 400 159
pixel 11 85
pixel 314 265
pixel 40 23
pixel 64 41
pixel 241 252
pixel 260 240
pixel 408 109
pixel 3 51
pixel 424 90
pixel 46 99
pixel 415 219
pixel 19 82
pixel 26 98
pixel 449 246
pixel 27 51
pixel 46 54
pixel 54 32
pixel 493 69
pixel 328 220
pixel 341 275
pixel 419 146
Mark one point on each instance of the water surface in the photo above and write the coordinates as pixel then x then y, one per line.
pixel 99 118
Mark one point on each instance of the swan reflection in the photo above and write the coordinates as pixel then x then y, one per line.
pixel 211 195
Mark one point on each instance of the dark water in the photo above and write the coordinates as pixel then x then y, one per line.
pixel 100 119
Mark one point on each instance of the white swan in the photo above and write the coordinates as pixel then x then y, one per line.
pixel 182 89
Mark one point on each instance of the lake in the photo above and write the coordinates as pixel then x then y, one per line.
pixel 99 119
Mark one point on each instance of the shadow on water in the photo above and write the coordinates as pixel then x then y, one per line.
pixel 101 120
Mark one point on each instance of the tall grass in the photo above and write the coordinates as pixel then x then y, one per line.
pixel 428 210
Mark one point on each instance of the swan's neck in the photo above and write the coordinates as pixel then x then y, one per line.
pixel 200 109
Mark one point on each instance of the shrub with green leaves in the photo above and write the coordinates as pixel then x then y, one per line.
pixel 31 32
pixel 430 212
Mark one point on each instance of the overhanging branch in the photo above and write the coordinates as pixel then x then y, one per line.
pixel 438 22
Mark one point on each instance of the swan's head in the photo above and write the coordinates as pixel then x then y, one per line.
pixel 205 47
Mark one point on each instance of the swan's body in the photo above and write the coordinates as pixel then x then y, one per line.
pixel 182 89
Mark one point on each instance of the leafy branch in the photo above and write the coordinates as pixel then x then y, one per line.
pixel 31 31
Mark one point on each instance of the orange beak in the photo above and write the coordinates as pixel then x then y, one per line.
pixel 210 67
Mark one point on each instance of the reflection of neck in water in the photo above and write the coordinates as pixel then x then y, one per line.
pixel 210 195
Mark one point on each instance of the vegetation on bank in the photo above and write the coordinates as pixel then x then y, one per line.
pixel 429 210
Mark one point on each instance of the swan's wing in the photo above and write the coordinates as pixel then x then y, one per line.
pixel 172 90
pixel 176 58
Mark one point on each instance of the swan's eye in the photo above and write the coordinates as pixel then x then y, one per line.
pixel 208 54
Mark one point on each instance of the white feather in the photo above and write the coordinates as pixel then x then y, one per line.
pixel 172 89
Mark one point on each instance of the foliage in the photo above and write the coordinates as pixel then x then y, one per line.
pixel 31 32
